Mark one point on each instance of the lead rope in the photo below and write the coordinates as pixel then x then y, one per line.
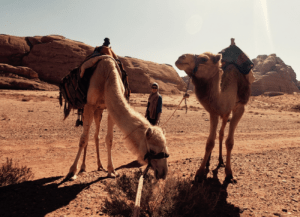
pixel 186 95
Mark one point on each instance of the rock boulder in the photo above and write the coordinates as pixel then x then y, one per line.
pixel 273 75
pixel 13 49
pixel 18 70
pixel 142 73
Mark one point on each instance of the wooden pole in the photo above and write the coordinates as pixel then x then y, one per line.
pixel 136 211
pixel 137 204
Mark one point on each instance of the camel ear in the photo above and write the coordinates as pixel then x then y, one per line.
pixel 149 133
pixel 164 131
pixel 216 58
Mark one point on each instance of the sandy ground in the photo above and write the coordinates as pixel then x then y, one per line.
pixel 266 154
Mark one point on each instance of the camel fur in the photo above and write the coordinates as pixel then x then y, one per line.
pixel 220 92
pixel 106 91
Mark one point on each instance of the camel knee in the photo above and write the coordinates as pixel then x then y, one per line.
pixel 82 142
pixel 108 141
pixel 96 137
pixel 221 133
pixel 229 144
pixel 209 146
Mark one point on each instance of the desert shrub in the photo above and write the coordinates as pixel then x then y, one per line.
pixel 175 197
pixel 13 174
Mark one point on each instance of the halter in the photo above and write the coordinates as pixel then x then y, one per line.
pixel 151 155
pixel 196 66
pixel 193 74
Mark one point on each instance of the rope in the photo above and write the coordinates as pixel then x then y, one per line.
pixel 185 96
pixel 173 112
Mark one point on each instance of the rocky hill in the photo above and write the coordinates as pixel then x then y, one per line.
pixel 273 75
pixel 31 62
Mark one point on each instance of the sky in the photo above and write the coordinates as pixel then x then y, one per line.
pixel 162 30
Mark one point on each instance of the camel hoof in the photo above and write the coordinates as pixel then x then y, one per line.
pixel 230 179
pixel 112 175
pixel 73 178
pixel 82 171
pixel 70 177
pixel 101 169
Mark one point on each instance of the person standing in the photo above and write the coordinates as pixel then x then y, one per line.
pixel 154 106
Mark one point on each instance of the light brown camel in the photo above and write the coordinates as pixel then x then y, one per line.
pixel 106 90
pixel 220 93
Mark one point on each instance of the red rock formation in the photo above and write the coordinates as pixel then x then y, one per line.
pixel 54 56
pixel 273 75
pixel 142 73
pixel 18 70
pixel 13 49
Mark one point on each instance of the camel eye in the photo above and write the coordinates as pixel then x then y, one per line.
pixel 203 60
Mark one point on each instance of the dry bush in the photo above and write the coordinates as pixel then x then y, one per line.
pixel 13 174
pixel 176 197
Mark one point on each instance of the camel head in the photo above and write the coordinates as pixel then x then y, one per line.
pixel 206 63
pixel 157 151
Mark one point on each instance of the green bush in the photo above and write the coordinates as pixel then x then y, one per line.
pixel 13 174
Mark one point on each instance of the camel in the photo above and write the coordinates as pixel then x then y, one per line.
pixel 106 91
pixel 220 92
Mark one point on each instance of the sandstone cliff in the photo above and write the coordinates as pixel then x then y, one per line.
pixel 273 75
pixel 52 57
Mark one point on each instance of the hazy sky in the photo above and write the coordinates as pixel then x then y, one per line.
pixel 162 30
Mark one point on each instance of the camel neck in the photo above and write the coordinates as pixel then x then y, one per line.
pixel 131 123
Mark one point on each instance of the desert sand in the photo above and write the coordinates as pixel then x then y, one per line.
pixel 265 158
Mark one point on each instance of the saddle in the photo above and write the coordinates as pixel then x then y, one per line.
pixel 234 55
pixel 73 88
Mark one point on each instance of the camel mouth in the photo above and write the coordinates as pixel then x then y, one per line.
pixel 160 176
pixel 179 64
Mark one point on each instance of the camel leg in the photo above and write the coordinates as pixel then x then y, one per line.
pixel 221 136
pixel 210 143
pixel 83 166
pixel 236 117
pixel 98 118
pixel 87 120
pixel 109 139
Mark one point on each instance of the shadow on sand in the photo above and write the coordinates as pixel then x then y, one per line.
pixel 133 164
pixel 223 208
pixel 38 197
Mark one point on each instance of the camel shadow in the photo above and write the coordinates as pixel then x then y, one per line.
pixel 133 164
pixel 38 197
pixel 214 186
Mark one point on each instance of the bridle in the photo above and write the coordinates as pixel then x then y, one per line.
pixel 150 155
pixel 196 67
pixel 192 75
